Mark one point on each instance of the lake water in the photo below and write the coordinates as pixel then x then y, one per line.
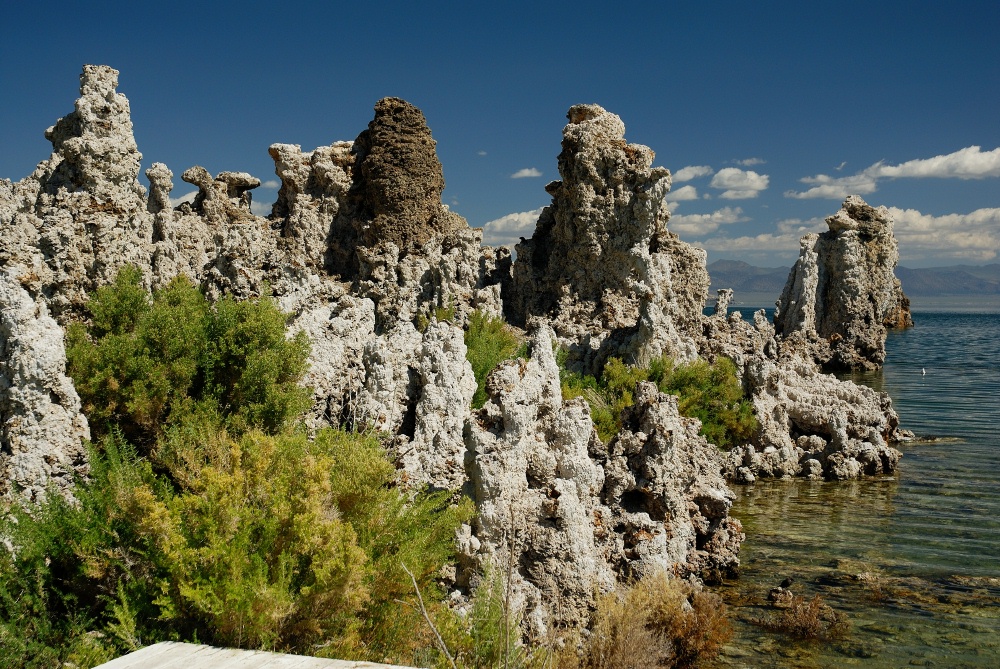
pixel 927 541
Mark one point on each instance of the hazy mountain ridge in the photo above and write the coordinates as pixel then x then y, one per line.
pixel 927 281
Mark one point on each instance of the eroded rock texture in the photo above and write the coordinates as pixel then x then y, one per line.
pixel 363 256
pixel 602 267
pixel 842 294
pixel 812 424
pixel 41 424
pixel 573 515
pixel 81 215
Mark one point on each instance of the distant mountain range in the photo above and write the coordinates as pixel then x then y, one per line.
pixel 925 282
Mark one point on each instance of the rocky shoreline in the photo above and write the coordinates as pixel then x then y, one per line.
pixel 361 253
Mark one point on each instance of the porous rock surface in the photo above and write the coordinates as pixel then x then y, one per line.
pixel 601 266
pixel 81 215
pixel 573 515
pixel 41 426
pixel 812 424
pixel 367 261
pixel 842 292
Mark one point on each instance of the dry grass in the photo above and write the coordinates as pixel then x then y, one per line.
pixel 808 619
pixel 657 622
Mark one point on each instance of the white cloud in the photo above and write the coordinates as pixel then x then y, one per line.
pixel 480 153
pixel 784 244
pixel 972 237
pixel 187 197
pixel 507 230
pixel 750 162
pixel 692 172
pixel 703 224
pixel 968 163
pixel 739 184
pixel 836 188
pixel 526 173
pixel 271 183
pixel 261 208
pixel 963 238
pixel 798 227
pixel 682 193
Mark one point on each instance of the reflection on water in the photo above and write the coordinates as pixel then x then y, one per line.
pixel 913 560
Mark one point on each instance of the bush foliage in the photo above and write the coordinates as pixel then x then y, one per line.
pixel 208 515
pixel 489 341
pixel 147 358
pixel 710 392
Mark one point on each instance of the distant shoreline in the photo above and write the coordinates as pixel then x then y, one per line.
pixel 965 303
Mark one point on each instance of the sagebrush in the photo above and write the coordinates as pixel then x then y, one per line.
pixel 710 392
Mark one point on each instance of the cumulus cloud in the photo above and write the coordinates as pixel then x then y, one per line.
pixel 261 208
pixel 739 184
pixel 703 224
pixel 963 238
pixel 968 163
pixel 526 173
pixel 750 162
pixel 836 188
pixel 972 237
pixel 271 183
pixel 692 172
pixel 187 197
pixel 783 244
pixel 507 230
pixel 682 193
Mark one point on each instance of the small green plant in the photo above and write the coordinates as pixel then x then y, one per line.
pixel 440 314
pixel 712 393
pixel 489 341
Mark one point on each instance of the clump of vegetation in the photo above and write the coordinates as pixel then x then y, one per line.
pixel 489 341
pixel 148 360
pixel 710 392
pixel 208 515
pixel 806 618
pixel 656 622
pixel 440 314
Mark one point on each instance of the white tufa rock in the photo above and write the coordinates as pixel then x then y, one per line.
pixel 41 426
pixel 842 294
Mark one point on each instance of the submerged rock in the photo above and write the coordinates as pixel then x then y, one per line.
pixel 842 294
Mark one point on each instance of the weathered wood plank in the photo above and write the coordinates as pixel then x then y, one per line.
pixel 174 655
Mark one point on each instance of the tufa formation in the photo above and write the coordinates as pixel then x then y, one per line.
pixel 361 253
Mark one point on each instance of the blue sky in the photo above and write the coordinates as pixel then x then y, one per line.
pixel 743 100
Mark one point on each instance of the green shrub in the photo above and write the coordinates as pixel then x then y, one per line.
pixel 712 393
pixel 274 542
pixel 489 341
pixel 225 524
pixel 144 355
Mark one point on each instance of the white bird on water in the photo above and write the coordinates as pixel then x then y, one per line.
pixel 923 371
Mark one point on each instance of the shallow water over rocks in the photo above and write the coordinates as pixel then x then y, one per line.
pixel 913 561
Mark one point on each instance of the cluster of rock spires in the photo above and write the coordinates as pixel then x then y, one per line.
pixel 360 251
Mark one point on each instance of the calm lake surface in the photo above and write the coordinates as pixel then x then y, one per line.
pixel 927 540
